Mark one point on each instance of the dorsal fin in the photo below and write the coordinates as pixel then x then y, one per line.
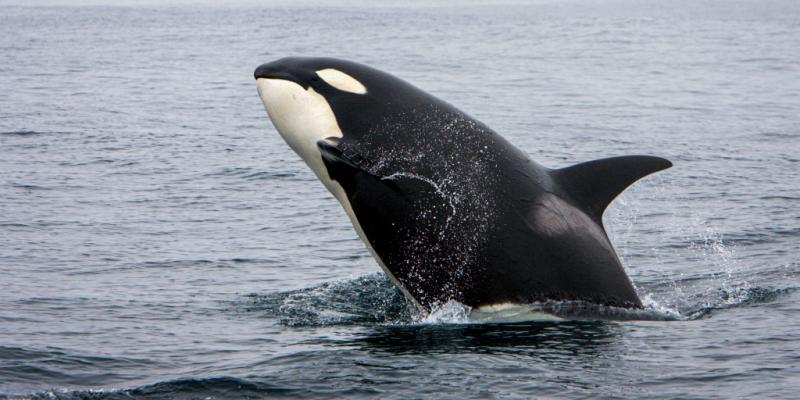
pixel 594 184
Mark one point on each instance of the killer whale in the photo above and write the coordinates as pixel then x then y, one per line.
pixel 449 208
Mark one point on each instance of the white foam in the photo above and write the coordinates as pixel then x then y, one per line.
pixel 451 312
pixel 651 304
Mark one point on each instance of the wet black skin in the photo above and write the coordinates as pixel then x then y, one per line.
pixel 455 211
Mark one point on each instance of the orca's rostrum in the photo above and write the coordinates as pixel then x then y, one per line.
pixel 449 208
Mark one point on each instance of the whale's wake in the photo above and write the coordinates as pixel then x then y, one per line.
pixel 372 299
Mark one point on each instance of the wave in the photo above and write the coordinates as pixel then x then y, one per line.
pixel 733 297
pixel 251 173
pixel 201 388
pixel 21 132
pixel 30 132
pixel 59 367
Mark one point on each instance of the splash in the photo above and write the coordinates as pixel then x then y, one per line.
pixel 706 272
pixel 651 304
pixel 451 312
pixel 369 299
pixel 374 300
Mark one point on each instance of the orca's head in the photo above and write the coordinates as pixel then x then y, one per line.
pixel 300 95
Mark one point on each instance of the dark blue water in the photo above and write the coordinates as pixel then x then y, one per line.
pixel 159 240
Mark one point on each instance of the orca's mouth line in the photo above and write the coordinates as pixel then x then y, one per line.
pixel 268 73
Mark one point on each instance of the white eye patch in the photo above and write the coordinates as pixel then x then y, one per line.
pixel 341 81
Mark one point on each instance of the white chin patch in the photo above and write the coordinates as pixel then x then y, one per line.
pixel 341 81
pixel 301 116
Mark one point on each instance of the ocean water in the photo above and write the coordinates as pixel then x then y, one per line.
pixel 158 240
